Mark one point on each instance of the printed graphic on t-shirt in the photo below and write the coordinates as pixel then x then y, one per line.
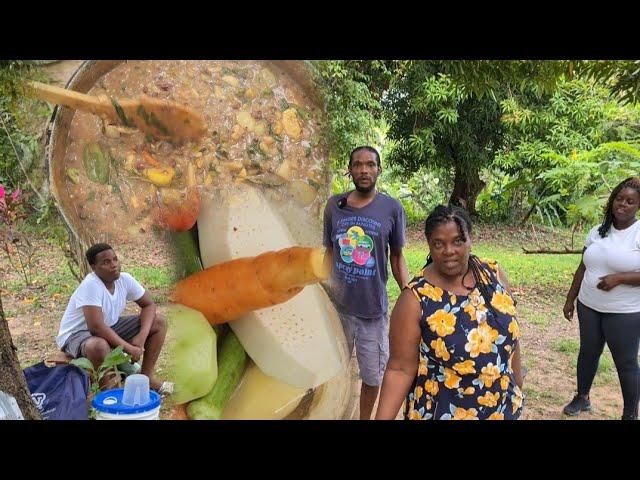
pixel 357 260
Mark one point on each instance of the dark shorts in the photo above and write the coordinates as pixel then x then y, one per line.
pixel 371 339
pixel 126 327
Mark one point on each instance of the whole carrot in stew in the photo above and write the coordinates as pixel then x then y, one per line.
pixel 226 291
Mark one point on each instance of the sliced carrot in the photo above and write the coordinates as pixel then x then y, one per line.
pixel 146 156
pixel 228 290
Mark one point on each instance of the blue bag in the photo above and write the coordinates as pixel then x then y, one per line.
pixel 60 392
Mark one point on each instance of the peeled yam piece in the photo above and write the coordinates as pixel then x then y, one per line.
pixel 298 342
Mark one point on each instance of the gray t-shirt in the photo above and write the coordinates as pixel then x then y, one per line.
pixel 360 239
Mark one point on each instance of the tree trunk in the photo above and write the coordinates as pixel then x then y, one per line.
pixel 12 380
pixel 466 188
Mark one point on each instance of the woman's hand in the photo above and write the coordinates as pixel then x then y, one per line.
pixel 572 294
pixel 568 309
pixel 609 281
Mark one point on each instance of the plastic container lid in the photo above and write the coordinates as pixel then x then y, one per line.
pixel 110 401
pixel 136 390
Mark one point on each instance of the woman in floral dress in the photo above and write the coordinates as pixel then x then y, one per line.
pixel 454 335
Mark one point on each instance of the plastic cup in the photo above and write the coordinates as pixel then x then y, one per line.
pixel 136 390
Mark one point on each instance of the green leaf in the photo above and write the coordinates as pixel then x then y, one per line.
pixel 515 183
pixel 303 112
pixel 588 205
pixel 83 363
pixel 96 163
pixel 74 175
pixel 123 118
pixel 25 153
pixel 151 120
pixel 115 357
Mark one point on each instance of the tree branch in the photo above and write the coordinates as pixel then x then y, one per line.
pixel 553 252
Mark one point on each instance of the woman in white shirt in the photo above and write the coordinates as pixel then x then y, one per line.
pixel 607 287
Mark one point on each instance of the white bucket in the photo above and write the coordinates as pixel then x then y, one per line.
pixel 150 415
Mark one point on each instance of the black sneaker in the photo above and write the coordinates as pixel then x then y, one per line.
pixel 577 405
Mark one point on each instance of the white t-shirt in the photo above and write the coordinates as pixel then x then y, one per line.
pixel 618 252
pixel 93 292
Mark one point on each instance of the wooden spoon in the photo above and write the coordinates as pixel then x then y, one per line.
pixel 164 119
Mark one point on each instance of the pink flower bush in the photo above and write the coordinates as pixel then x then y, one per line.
pixel 3 202
pixel 11 206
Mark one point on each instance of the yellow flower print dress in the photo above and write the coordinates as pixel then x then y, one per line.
pixel 465 370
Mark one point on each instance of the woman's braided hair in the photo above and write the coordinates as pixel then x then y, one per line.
pixel 631 182
pixel 444 214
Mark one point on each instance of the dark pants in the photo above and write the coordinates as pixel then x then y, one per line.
pixel 621 331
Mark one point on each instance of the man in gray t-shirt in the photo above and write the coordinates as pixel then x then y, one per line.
pixel 360 228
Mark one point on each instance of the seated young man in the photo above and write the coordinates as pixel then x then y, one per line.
pixel 91 325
